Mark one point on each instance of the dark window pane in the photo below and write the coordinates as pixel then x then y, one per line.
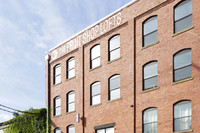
pixel 150 128
pixel 114 94
pixel 182 73
pixel 150 38
pixel 114 42
pixel 150 82
pixel 183 9
pixel 114 82
pixel 182 123
pixel 150 25
pixel 183 24
pixel 115 54
pixel 96 62
pixel 182 59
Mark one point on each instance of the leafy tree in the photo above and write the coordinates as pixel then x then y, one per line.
pixel 31 121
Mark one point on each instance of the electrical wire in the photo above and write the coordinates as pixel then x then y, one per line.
pixel 6 110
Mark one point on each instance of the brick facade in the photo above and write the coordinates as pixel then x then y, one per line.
pixel 126 112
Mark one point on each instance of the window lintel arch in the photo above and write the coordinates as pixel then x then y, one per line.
pixel 182 100
pixel 113 75
pixel 149 62
pixel 179 3
pixel 58 96
pixel 113 36
pixel 70 91
pixel 95 82
pixel 70 58
pixel 149 19
pixel 148 109
pixel 177 52
pixel 94 46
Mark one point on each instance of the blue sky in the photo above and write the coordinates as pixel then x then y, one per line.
pixel 29 28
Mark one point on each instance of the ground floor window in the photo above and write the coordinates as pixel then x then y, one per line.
pixel 107 128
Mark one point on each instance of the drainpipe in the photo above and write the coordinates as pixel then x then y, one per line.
pixel 83 80
pixel 134 78
pixel 47 58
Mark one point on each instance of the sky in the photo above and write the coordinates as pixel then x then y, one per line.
pixel 29 28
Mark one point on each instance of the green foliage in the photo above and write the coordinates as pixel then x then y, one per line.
pixel 32 121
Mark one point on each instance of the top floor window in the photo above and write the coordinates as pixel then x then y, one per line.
pixel 182 65
pixel 114 48
pixel 57 106
pixel 71 68
pixel 95 56
pixel 182 116
pixel 57 74
pixel 150 31
pixel 182 15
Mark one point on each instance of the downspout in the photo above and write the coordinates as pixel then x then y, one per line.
pixel 134 78
pixel 47 58
pixel 83 80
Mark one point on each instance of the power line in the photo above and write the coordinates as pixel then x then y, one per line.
pixel 6 110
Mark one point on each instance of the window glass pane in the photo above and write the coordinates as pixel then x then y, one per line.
pixel 110 130
pixel 58 79
pixel 95 52
pixel 150 82
pixel 182 123
pixel 150 115
pixel 71 73
pixel 183 58
pixel 150 25
pixel 182 73
pixel 96 62
pixel 150 128
pixel 115 82
pixel 114 94
pixel 96 99
pixel 115 54
pixel 57 70
pixel 71 129
pixel 58 130
pixel 71 63
pixel 150 38
pixel 183 9
pixel 71 97
pixel 58 102
pixel 151 69
pixel 101 131
pixel 182 109
pixel 183 24
pixel 96 88
pixel 58 111
pixel 114 42
pixel 71 107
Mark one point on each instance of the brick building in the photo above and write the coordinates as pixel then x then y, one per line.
pixel 135 71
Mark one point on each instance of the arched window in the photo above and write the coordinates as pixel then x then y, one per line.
pixel 95 56
pixel 150 31
pixel 95 94
pixel 114 87
pixel 57 130
pixel 150 120
pixel 57 74
pixel 182 65
pixel 150 75
pixel 71 129
pixel 114 48
pixel 71 101
pixel 182 15
pixel 57 106
pixel 71 68
pixel 182 116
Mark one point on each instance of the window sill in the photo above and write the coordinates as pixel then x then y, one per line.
pixel 57 84
pixel 70 112
pixel 184 80
pixel 114 60
pixel 152 44
pixel 70 78
pixel 183 131
pixel 91 106
pixel 114 100
pixel 180 32
pixel 152 89
pixel 57 116
pixel 95 68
